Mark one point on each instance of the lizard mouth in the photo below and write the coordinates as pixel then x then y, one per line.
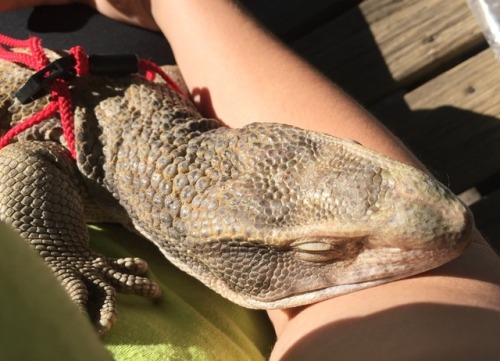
pixel 357 281
pixel 309 269
pixel 349 265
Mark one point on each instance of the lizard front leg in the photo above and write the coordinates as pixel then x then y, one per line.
pixel 40 197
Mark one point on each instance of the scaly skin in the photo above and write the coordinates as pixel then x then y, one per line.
pixel 269 215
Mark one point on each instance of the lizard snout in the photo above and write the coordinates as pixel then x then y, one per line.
pixel 424 214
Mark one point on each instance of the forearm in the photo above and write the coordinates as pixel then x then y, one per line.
pixel 451 313
pixel 251 77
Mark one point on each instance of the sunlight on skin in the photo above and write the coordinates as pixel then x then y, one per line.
pixel 229 47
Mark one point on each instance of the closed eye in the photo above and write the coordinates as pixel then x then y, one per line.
pixel 326 250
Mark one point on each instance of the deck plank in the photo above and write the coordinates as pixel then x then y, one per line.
pixel 452 122
pixel 471 85
pixel 383 45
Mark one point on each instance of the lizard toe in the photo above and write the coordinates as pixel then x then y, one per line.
pixel 75 288
pixel 108 276
pixel 92 283
pixel 103 304
pixel 133 284
pixel 132 265
pixel 88 287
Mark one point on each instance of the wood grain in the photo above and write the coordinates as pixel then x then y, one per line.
pixel 383 45
pixel 452 122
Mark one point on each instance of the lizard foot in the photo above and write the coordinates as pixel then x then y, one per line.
pixel 92 283
pixel 43 197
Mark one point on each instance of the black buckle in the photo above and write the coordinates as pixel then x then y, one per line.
pixel 38 85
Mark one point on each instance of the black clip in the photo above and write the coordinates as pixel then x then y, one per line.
pixel 64 68
pixel 113 65
pixel 39 84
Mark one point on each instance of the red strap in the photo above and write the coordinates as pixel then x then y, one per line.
pixel 36 60
pixel 82 61
pixel 151 69
pixel 60 94
pixel 60 100
pixel 47 112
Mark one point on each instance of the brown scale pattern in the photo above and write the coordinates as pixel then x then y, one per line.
pixel 268 215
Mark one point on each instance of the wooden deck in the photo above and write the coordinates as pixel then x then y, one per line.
pixel 421 66
pixel 424 69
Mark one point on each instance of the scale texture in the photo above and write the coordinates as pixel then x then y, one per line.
pixel 269 215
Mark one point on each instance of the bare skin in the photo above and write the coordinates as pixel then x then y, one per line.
pixel 452 312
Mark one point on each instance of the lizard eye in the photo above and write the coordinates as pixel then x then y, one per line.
pixel 325 250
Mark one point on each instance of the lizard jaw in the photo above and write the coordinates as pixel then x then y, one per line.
pixel 402 266
pixel 354 264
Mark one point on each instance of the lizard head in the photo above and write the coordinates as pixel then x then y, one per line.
pixel 296 217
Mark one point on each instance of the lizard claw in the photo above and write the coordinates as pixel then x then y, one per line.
pixel 93 283
pixel 125 274
pixel 44 199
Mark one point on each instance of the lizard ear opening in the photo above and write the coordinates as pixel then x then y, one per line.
pixel 325 250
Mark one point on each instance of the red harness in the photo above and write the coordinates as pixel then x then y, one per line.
pixel 60 96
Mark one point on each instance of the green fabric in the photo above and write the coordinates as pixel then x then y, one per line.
pixel 191 322
pixel 37 320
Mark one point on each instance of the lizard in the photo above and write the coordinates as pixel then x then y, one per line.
pixel 268 215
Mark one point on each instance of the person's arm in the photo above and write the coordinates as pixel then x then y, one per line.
pixel 247 76
pixel 242 75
